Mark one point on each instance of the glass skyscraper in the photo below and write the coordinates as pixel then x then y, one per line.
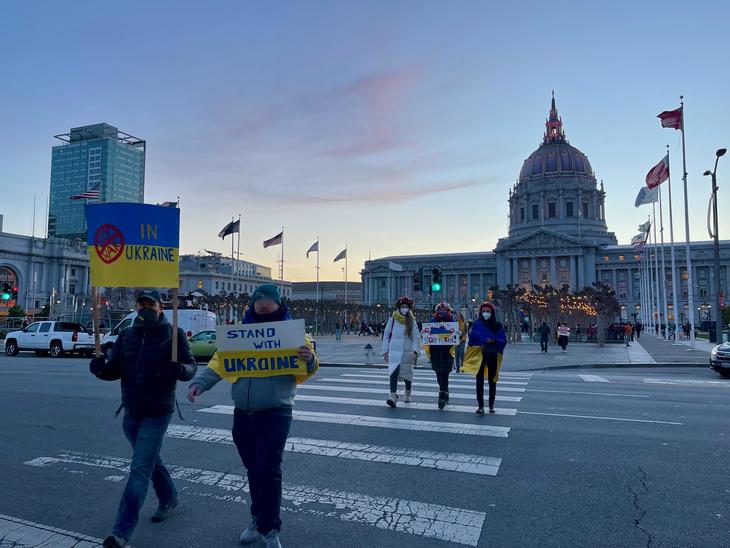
pixel 97 158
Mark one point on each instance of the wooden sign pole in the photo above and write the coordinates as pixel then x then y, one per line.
pixel 95 320
pixel 174 324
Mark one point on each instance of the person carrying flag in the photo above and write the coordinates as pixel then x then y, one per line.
pixel 488 335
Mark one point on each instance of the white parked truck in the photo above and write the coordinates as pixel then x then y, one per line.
pixel 54 338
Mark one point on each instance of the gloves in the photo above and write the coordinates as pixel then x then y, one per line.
pixel 97 365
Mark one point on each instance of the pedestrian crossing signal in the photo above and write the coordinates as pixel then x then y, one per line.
pixel 436 280
pixel 7 292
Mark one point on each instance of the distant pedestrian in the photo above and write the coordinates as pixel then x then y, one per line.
pixel 463 332
pixel 628 330
pixel 401 339
pixel 638 329
pixel 489 335
pixel 26 322
pixel 563 336
pixel 141 358
pixel 442 356
pixel 338 330
pixel 544 331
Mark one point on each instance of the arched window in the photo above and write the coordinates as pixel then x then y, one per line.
pixel 8 287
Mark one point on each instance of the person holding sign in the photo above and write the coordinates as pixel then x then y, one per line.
pixel 141 359
pixel 264 374
pixel 488 336
pixel 401 339
pixel 442 355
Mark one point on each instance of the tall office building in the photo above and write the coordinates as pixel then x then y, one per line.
pixel 98 161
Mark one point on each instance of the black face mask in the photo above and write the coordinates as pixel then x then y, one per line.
pixel 148 316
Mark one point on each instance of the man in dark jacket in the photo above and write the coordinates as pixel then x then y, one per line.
pixel 544 331
pixel 141 358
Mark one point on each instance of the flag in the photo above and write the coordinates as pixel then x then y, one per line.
pixel 659 173
pixel 646 196
pixel 231 228
pixel 638 239
pixel 88 195
pixel 673 119
pixel 315 247
pixel 342 255
pixel 395 267
pixel 276 240
pixel 168 204
pixel 644 227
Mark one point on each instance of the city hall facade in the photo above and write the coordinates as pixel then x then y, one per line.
pixel 558 236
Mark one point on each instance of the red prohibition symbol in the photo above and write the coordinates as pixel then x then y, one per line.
pixel 109 243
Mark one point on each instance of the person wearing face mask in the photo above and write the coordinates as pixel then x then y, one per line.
pixel 401 340
pixel 261 420
pixel 488 334
pixel 141 358
pixel 442 356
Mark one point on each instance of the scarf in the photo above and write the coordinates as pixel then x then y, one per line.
pixel 400 318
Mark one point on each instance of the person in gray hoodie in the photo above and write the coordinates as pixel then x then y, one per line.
pixel 261 421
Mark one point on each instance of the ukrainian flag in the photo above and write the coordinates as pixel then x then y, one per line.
pixel 133 245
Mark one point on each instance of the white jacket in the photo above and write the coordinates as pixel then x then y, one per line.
pixel 398 346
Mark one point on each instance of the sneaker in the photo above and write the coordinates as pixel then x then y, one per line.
pixel 164 512
pixel 271 539
pixel 250 534
pixel 113 541
pixel 480 411
pixel 392 399
pixel 407 398
pixel 491 410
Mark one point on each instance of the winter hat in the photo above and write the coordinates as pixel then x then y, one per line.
pixel 487 304
pixel 266 291
pixel 404 301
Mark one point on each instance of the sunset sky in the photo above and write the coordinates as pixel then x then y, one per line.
pixel 394 127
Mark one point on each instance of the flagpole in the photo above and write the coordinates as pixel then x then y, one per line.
pixel 233 284
pixel 664 272
pixel 281 282
pixel 650 292
pixel 653 280
pixel 690 288
pixel 345 273
pixel 674 263
pixel 656 275
pixel 317 300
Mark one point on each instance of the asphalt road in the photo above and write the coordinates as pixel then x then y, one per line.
pixel 612 457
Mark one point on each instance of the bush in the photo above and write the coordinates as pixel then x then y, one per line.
pixel 16 312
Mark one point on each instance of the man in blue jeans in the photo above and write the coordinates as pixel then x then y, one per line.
pixel 141 358
pixel 261 421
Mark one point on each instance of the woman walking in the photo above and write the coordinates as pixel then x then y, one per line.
pixel 401 346
pixel 563 336
pixel 488 334
pixel 442 357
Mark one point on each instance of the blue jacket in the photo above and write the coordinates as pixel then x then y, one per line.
pixel 489 335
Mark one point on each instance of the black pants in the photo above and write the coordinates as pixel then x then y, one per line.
pixel 394 381
pixel 543 343
pixel 563 342
pixel 260 438
pixel 442 377
pixel 489 363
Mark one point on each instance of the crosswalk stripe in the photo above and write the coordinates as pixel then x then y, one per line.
pixel 19 532
pixel 359 390
pixel 412 405
pixel 460 378
pixel 385 422
pixel 419 384
pixel 506 374
pixel 593 378
pixel 455 462
pixel 423 519
pixel 469 382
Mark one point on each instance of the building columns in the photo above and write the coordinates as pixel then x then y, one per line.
pixel 553 272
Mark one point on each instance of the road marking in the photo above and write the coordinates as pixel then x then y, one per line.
pixel 422 519
pixel 452 378
pixel 455 462
pixel 600 418
pixel 686 382
pixel 357 389
pixel 589 393
pixel 593 378
pixel 413 405
pixel 21 533
pixel 466 382
pixel 512 374
pixel 385 422
pixel 419 384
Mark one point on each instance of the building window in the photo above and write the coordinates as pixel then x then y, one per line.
pixel 73 272
pixel 585 209
pixel 535 213
pixel 522 214
pixel 605 257
pixel 620 257
pixel 551 210
pixel 569 209
pixel 216 285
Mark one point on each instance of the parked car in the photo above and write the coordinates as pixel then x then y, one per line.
pixel 203 345
pixel 54 338
pixel 720 359
pixel 191 320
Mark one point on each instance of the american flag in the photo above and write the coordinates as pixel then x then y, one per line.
pixel 88 195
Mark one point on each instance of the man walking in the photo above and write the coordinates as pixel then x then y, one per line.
pixel 628 333
pixel 141 358
pixel 544 331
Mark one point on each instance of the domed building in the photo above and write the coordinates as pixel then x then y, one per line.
pixel 557 235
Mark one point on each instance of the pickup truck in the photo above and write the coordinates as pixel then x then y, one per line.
pixel 54 338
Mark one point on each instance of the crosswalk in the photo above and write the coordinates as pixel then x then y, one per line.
pixel 359 430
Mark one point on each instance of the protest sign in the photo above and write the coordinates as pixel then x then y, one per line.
pixel 259 350
pixel 440 334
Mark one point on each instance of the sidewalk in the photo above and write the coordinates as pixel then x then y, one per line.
pixel 666 352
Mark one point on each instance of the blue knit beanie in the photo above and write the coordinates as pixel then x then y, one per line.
pixel 266 291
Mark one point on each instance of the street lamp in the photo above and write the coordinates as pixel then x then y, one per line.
pixel 714 234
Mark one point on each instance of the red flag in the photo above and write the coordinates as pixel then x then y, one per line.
pixel 672 118
pixel 659 173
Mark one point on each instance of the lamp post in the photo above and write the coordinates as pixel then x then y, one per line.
pixel 716 237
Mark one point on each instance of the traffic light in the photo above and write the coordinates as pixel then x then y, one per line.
pixel 436 280
pixel 418 280
pixel 7 291
pixel 14 293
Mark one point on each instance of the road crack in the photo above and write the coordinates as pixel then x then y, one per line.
pixel 641 511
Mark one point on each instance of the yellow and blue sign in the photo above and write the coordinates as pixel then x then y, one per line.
pixel 133 245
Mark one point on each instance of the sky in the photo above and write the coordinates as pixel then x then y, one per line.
pixel 390 127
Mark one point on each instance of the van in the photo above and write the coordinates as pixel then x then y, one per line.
pixel 192 321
